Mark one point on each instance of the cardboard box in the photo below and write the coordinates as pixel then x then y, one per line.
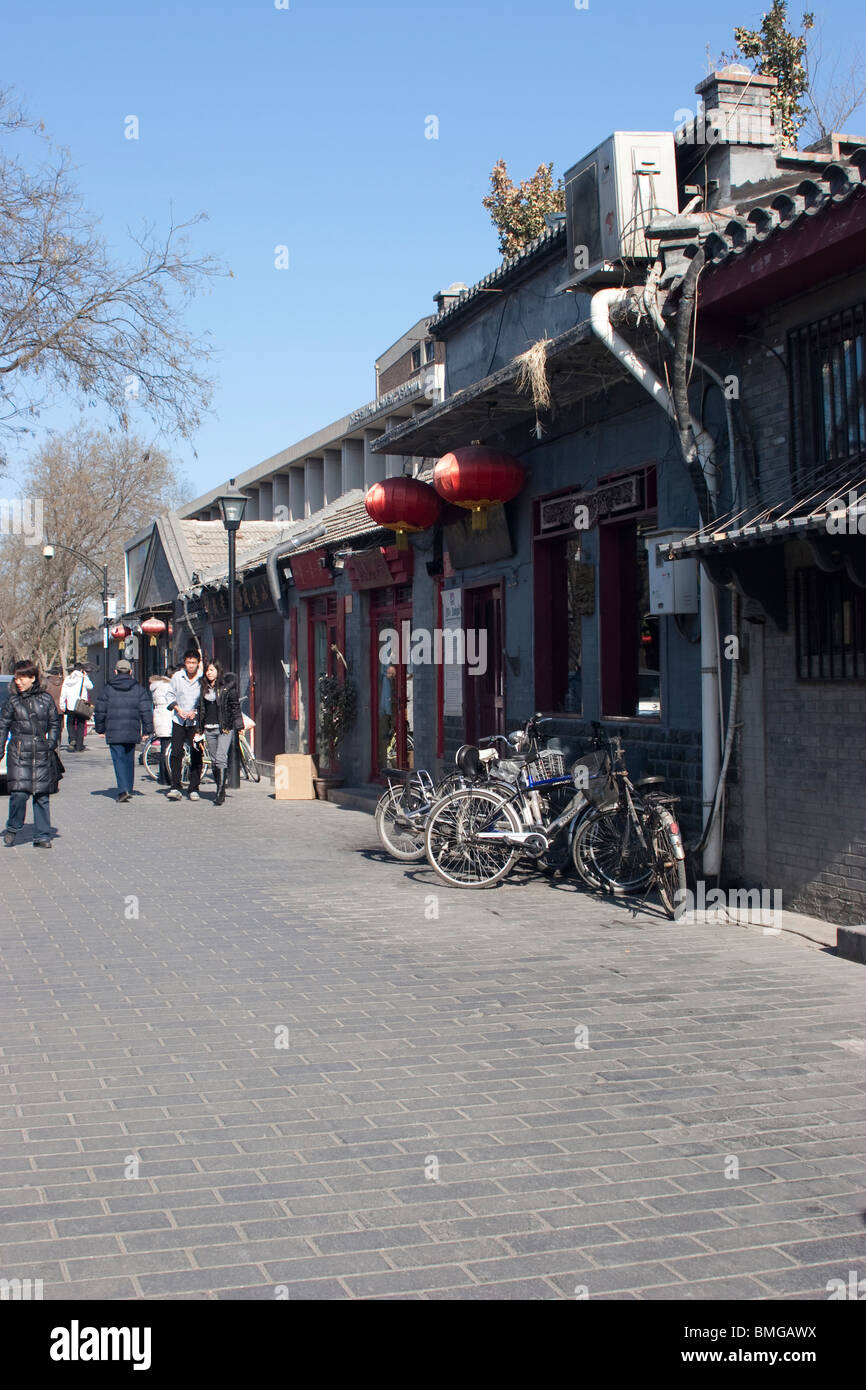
pixel 293 777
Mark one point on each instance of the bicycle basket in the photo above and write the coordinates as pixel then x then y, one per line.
pixel 591 775
pixel 549 763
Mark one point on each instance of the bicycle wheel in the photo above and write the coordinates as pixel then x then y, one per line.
pixel 154 749
pixel 454 849
pixel 608 855
pixel 402 841
pixel 670 872
pixel 248 762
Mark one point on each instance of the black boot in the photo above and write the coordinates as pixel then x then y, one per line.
pixel 220 776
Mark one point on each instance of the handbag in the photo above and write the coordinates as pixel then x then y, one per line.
pixel 57 770
pixel 83 708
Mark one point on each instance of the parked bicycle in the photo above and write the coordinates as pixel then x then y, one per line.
pixel 632 843
pixel 475 836
pixel 403 809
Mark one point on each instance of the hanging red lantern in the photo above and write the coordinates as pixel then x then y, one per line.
pixel 402 505
pixel 120 633
pixel 476 478
pixel 151 627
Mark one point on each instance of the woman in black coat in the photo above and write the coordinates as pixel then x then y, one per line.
pixel 31 721
pixel 219 716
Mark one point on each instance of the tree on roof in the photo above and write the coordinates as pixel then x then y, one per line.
pixel 776 51
pixel 517 211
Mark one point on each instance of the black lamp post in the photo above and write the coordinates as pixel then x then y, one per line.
pixel 48 554
pixel 232 504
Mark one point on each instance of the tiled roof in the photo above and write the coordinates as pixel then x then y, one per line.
pixel 548 239
pixel 344 520
pixel 838 182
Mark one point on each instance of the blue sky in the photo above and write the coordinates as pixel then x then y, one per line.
pixel 305 127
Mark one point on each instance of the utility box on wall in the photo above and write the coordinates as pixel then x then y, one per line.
pixel 673 584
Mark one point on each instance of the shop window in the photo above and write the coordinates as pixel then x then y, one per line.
pixel 831 627
pixel 630 634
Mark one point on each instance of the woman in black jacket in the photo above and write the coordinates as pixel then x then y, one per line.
pixel 219 715
pixel 31 721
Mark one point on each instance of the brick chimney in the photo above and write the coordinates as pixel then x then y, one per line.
pixel 732 142
pixel 443 299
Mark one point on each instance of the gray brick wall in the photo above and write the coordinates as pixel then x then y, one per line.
pixel 796 818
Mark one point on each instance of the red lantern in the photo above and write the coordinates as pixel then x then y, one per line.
pixel 151 627
pixel 120 633
pixel 476 478
pixel 402 505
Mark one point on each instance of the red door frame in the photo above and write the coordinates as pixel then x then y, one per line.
pixel 335 619
pixel 398 613
pixel 495 653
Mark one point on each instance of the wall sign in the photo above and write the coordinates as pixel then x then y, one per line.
pixel 308 572
pixel 623 495
pixel 452 674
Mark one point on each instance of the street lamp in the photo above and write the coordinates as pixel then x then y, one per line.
pixel 100 571
pixel 232 504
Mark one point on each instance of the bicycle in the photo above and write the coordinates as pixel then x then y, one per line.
pixel 634 843
pixel 402 811
pixel 155 747
pixel 475 836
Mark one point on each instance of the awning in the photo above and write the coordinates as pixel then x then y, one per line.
pixel 578 365
pixel 745 548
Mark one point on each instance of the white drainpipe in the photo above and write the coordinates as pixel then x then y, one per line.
pixel 599 314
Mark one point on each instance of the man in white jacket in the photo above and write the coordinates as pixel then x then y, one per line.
pixel 76 686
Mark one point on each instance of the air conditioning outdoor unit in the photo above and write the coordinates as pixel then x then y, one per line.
pixel 610 196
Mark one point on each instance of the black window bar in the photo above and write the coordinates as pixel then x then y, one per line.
pixel 830 627
pixel 827 394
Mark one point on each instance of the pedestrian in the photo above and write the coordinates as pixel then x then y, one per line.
pixel 31 721
pixel 76 690
pixel 184 691
pixel 219 717
pixel 123 712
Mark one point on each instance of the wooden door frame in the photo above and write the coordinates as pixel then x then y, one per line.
pixel 499 586
pixel 400 611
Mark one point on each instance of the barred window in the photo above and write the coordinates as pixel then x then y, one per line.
pixel 828 395
pixel 831 627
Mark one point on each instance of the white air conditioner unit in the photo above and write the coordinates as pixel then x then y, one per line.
pixel 610 197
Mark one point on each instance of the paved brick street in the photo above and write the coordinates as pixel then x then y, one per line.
pixel 430 1130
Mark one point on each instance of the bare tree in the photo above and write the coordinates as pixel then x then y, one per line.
pixel 835 89
pixel 95 491
pixel 71 318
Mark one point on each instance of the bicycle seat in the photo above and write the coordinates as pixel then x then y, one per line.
pixel 401 774
pixel 646 783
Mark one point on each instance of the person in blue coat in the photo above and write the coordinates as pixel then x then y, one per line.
pixel 124 711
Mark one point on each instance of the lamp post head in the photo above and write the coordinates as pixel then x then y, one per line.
pixel 48 552
pixel 232 504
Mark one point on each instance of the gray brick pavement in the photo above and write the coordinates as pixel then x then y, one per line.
pixel 430 1130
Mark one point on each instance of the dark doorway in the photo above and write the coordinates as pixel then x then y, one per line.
pixel 484 693
pixel 268 685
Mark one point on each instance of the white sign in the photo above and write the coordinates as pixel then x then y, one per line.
pixel 452 673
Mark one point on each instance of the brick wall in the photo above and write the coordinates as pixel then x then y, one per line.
pixel 796 816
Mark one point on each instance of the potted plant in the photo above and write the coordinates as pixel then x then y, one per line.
pixel 338 704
